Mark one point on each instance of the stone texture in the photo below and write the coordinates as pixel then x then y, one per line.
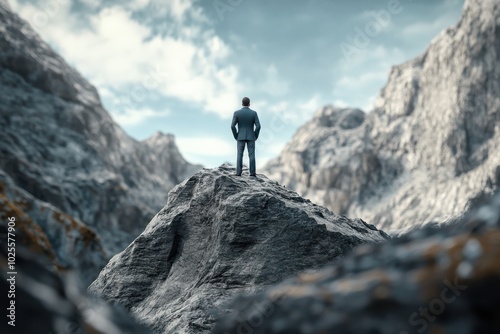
pixel 218 236
pixel 61 148
pixel 433 136
pixel 5 4
pixel 435 280
pixel 47 302
pixel 55 235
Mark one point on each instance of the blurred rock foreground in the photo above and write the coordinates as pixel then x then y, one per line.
pixel 430 146
pixel 50 303
pixel 81 188
pixel 444 280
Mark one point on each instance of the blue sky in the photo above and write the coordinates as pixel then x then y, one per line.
pixel 182 66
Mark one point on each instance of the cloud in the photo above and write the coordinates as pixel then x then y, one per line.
pixel 205 147
pixel 353 80
pixel 273 84
pixel 289 112
pixel 340 103
pixel 419 29
pixel 448 12
pixel 269 152
pixel 373 57
pixel 93 4
pixel 137 116
pixel 366 79
pixel 115 50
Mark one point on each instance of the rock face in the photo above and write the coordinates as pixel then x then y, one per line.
pixel 218 236
pixel 5 4
pixel 49 232
pixel 431 281
pixel 59 148
pixel 433 135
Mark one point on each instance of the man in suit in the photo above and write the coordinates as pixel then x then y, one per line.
pixel 245 118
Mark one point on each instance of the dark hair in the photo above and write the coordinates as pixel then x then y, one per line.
pixel 245 102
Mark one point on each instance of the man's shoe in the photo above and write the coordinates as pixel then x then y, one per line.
pixel 237 174
pixel 253 175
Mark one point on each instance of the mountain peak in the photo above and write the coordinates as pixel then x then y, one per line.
pixel 433 133
pixel 345 118
pixel 220 235
pixel 160 138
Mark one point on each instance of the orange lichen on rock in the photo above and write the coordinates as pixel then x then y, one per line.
pixel 27 231
pixel 70 224
pixel 453 250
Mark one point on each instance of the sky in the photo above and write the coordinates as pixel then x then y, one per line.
pixel 183 66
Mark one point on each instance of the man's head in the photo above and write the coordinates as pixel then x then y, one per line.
pixel 245 102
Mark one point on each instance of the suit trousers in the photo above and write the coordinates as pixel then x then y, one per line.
pixel 251 155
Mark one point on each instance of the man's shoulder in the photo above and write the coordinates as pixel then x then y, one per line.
pixel 245 110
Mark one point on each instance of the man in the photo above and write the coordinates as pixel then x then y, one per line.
pixel 245 118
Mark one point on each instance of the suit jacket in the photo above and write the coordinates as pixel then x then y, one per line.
pixel 246 118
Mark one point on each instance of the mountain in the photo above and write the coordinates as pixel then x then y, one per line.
pixel 428 149
pixel 82 183
pixel 219 236
pixel 441 280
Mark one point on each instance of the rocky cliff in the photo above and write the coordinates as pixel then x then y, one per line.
pixel 60 149
pixel 431 281
pixel 219 236
pixel 433 136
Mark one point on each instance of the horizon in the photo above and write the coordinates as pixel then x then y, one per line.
pixel 191 93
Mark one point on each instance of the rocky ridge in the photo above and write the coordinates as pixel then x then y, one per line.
pixel 219 236
pixel 435 280
pixel 60 148
pixel 433 136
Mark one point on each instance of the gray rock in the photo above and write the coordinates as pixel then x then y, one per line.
pixel 219 236
pixel 435 280
pixel 61 148
pixel 67 242
pixel 5 4
pixel 46 302
pixel 433 134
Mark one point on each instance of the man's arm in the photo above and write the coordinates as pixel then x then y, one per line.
pixel 233 126
pixel 257 126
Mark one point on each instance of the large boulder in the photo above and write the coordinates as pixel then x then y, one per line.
pixel 436 280
pixel 219 236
